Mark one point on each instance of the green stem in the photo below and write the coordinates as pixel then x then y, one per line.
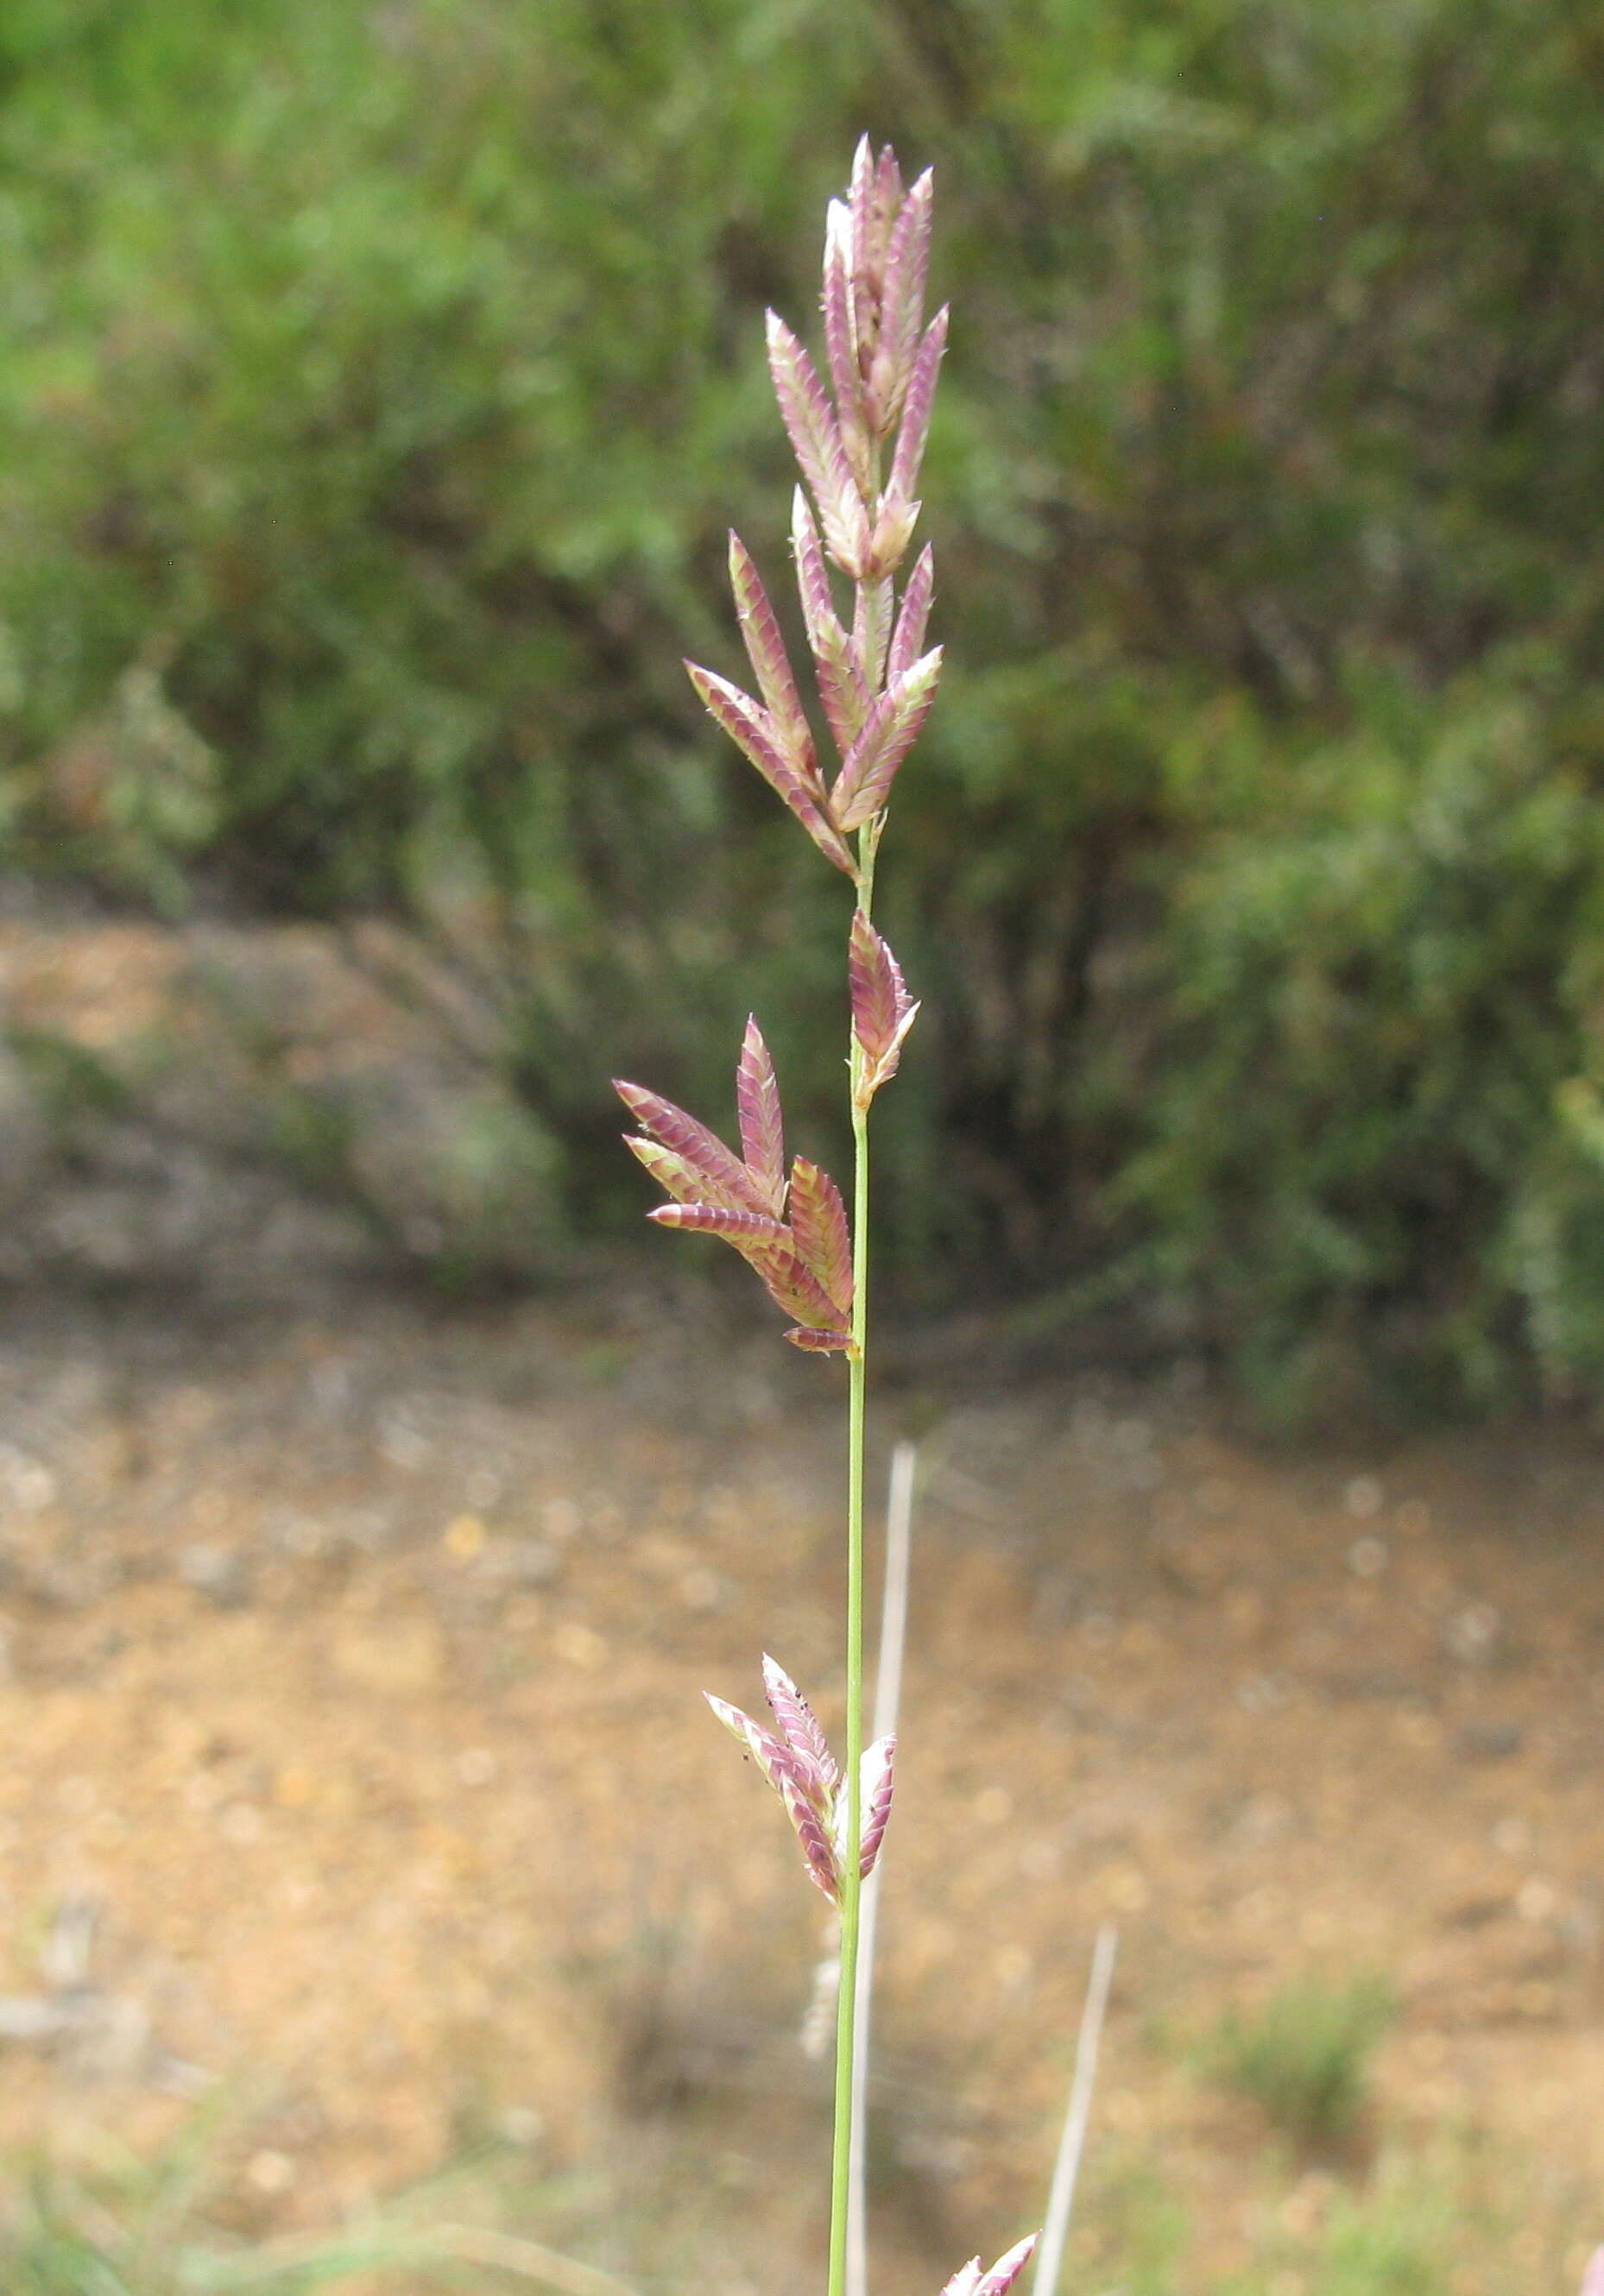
pixel 852 1884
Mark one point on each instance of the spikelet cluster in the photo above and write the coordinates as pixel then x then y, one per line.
pixel 792 1232
pixel 798 1764
pixel 875 681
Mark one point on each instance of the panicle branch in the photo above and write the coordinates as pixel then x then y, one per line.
pixel 793 1234
pixel 798 1764
pixel 875 685
pixel 858 431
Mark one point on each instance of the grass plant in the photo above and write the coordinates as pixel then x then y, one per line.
pixel 859 443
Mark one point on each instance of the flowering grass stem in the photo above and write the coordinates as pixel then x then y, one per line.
pixel 852 1891
pixel 875 688
pixel 888 1694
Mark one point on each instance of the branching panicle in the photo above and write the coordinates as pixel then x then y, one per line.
pixel 874 680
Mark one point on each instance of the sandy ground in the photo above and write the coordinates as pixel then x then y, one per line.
pixel 351 1754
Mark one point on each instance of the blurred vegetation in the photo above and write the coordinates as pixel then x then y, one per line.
pixel 379 384
pixel 1304 2055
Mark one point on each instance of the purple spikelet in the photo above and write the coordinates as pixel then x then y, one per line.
pixel 913 615
pixel 762 1124
pixel 818 1223
pixel 771 666
pixel 971 2280
pixel 804 1264
pixel 756 735
pixel 875 1801
pixel 799 1765
pixel 889 732
pixel 883 1012
pixel 800 1727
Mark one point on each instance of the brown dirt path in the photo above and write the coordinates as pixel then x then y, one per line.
pixel 351 1662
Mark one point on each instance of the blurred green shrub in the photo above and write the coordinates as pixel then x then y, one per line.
pixel 378 385
pixel 1304 2055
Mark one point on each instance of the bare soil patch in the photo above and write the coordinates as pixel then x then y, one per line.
pixel 352 1654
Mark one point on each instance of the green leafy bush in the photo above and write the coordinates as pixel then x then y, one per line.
pixel 378 383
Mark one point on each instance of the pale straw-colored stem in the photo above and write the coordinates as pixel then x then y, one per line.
pixel 1067 2168
pixel 888 1698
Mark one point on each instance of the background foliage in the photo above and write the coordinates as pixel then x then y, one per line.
pixel 378 385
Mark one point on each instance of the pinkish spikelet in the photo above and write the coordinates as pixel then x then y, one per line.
pixel 841 687
pixel 913 615
pixel 860 200
pixel 770 665
pixel 819 1343
pixel 1007 2269
pixel 816 1842
pixel 916 411
pixel 753 734
pixel 883 1012
pixel 1592 2279
pixel 893 726
pixel 813 576
pixel 725 1179
pixel 671 1173
pixel 816 439
pixel 844 695
pixel 901 310
pixel 875 1797
pixel 762 1124
pixel 871 630
pixel 789 1282
pixel 841 346
pixel 902 305
pixel 800 1729
pixel 884 199
pixel 772 1758
pixel 748 1231
pixel 818 1223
